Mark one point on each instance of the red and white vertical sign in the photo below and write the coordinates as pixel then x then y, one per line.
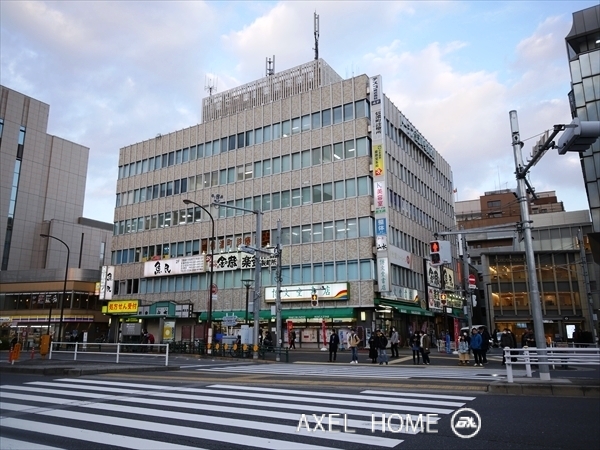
pixel 324 332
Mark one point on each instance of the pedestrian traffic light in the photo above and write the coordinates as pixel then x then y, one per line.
pixel 314 299
pixel 440 252
pixel 434 253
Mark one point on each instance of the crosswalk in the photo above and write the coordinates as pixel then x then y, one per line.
pixel 79 413
pixel 362 371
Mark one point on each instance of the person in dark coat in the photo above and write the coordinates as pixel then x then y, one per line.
pixel 506 340
pixel 334 342
pixel 373 346
pixel 476 343
pixel 485 343
pixel 415 345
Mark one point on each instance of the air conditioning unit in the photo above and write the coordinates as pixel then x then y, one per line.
pixel 368 128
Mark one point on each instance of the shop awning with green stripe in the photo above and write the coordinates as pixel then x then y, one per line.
pixel 317 313
pixel 404 309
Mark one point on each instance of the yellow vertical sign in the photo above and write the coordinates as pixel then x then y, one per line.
pixel 378 160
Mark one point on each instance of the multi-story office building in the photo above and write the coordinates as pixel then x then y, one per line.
pixel 583 51
pixel 42 188
pixel 568 293
pixel 358 192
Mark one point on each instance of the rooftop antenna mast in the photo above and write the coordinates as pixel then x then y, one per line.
pixel 210 87
pixel 316 49
pixel 270 66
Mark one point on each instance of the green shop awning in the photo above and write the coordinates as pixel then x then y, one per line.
pixel 404 309
pixel 317 313
pixel 265 314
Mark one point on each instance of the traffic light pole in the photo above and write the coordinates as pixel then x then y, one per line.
pixel 534 293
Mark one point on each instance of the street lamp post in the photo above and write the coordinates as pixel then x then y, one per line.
pixel 217 201
pixel 208 330
pixel 247 284
pixel 62 300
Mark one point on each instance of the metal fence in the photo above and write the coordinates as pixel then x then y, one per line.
pixel 118 350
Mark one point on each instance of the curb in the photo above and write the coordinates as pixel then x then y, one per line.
pixel 81 371
pixel 559 390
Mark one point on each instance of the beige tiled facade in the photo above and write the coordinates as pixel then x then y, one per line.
pixel 422 179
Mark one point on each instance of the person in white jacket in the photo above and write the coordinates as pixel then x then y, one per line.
pixel 394 339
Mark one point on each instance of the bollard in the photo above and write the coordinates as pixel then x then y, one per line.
pixel 527 362
pixel 32 352
pixel 10 355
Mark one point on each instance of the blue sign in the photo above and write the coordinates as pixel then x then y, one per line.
pixel 381 226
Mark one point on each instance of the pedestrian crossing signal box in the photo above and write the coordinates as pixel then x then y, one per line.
pixel 440 252
pixel 314 300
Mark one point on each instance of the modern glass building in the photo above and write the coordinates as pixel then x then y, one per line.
pixel 583 51
pixel 357 189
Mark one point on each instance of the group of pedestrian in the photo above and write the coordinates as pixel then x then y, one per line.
pixel 420 344
pixel 478 343
pixel 378 344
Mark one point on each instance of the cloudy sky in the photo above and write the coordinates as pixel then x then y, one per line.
pixel 115 73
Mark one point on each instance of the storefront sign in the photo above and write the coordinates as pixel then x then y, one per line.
pixel 175 266
pixel 401 293
pixel 169 330
pixel 107 279
pixel 399 257
pixel 383 274
pixel 325 292
pixel 122 307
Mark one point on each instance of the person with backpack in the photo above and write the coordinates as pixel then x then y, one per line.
pixel 381 342
pixel 353 341
pixel 415 345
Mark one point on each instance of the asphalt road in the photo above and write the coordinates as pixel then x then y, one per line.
pixel 156 412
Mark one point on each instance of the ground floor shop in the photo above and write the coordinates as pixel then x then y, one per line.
pixel 556 330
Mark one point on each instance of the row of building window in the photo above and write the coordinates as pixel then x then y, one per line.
pixel 271 166
pixel 286 128
pixel 338 190
pixel 300 234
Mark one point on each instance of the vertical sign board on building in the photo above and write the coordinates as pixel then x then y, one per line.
pixel 107 279
pixel 379 183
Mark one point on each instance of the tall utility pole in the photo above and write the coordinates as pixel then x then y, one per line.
pixel 534 293
pixel 278 280
pixel 465 280
pixel 593 318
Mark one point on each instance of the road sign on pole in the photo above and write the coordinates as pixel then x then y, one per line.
pixel 472 284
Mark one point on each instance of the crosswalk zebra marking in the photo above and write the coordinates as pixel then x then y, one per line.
pixel 15 444
pixel 97 437
pixel 397 373
pixel 219 402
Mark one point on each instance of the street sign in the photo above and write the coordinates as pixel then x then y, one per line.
pixel 472 284
pixel 230 321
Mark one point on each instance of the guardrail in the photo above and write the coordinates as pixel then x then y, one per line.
pixel 552 356
pixel 77 348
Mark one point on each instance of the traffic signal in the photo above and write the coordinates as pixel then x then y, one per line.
pixel 434 253
pixel 578 136
pixel 314 299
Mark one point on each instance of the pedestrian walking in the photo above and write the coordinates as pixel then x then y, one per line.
pixel 463 351
pixel 425 347
pixel 353 341
pixel 394 340
pixel 476 343
pixel 293 340
pixel 485 343
pixel 334 341
pixel 415 345
pixel 382 343
pixel 506 341
pixel 373 346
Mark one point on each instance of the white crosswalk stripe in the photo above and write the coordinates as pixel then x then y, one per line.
pixel 365 371
pixel 80 413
